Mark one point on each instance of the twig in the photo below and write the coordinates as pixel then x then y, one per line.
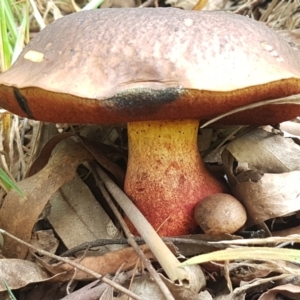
pixel 74 264
pixel 164 289
pixel 139 240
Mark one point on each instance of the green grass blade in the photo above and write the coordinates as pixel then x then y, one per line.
pixel 11 295
pixel 4 40
pixel 21 37
pixel 254 253
pixel 9 184
pixel 10 21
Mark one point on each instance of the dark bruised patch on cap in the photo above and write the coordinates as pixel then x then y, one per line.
pixel 23 104
pixel 143 100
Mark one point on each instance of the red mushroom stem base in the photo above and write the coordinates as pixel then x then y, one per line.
pixel 166 176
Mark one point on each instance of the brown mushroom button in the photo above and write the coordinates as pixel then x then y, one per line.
pixel 162 70
pixel 219 214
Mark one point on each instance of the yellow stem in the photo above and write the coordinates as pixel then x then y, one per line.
pixel 165 175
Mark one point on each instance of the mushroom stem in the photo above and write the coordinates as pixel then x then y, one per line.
pixel 166 176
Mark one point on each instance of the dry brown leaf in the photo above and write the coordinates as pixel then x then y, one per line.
pixel 77 217
pixel 18 215
pixel 263 171
pixel 18 273
pixel 273 196
pixel 288 290
pixel 108 263
pixel 265 151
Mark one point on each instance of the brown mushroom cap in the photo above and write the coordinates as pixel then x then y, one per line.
pixel 120 65
pixel 219 214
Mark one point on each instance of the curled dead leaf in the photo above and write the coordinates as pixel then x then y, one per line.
pixel 273 196
pixel 264 172
pixel 264 151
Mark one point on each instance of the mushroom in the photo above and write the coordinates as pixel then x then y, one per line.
pixel 219 214
pixel 161 70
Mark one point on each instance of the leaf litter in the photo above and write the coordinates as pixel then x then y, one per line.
pixel 265 179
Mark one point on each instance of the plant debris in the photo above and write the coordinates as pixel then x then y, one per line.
pixel 64 237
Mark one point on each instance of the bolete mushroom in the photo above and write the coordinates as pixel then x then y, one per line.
pixel 219 214
pixel 161 71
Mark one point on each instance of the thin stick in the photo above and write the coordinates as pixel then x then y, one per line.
pixel 74 264
pixel 139 240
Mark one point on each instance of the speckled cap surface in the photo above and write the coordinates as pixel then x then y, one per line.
pixel 120 65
